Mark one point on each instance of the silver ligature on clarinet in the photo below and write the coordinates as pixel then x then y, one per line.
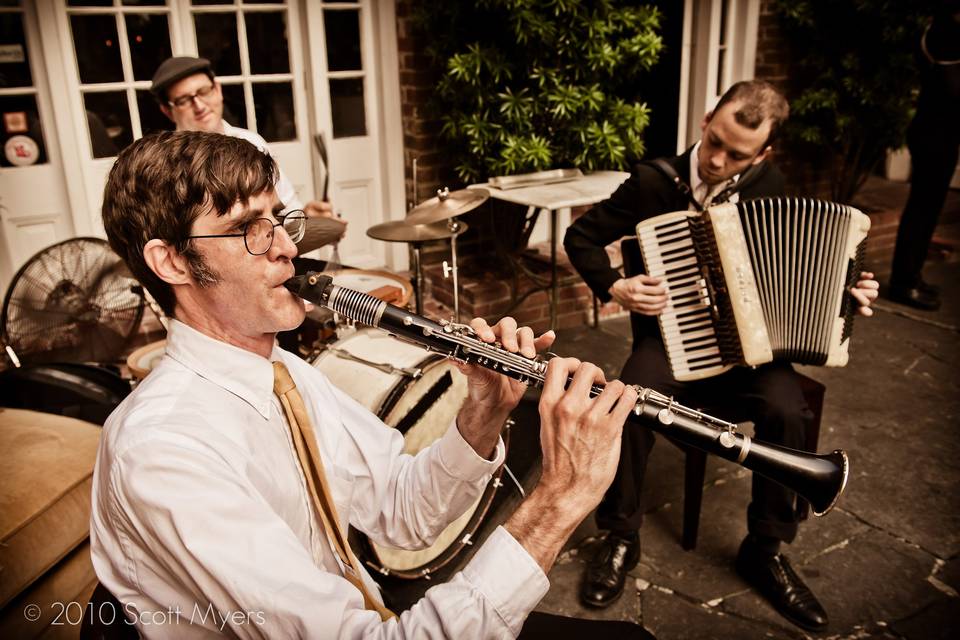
pixel 755 281
pixel 820 479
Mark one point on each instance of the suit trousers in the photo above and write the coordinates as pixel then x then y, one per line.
pixel 933 159
pixel 770 396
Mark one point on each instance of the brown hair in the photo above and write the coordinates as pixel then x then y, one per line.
pixel 162 183
pixel 760 101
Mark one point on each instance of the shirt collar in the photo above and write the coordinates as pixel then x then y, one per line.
pixel 695 180
pixel 240 372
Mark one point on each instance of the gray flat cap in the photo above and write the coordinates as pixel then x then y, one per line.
pixel 173 69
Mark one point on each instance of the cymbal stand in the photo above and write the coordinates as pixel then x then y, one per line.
pixel 449 270
pixel 414 251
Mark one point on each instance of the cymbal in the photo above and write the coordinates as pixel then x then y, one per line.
pixel 446 205
pixel 401 231
pixel 320 232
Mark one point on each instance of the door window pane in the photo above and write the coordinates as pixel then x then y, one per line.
pixel 108 120
pixel 149 39
pixel 203 2
pixel 21 118
pixel 90 3
pixel 346 106
pixel 267 42
pixel 234 106
pixel 343 40
pixel 217 42
pixel 275 113
pixel 14 61
pixel 97 48
pixel 151 118
pixel 144 3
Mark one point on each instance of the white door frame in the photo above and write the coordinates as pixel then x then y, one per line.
pixel 702 80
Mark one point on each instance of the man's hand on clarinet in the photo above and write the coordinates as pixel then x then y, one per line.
pixel 641 294
pixel 492 396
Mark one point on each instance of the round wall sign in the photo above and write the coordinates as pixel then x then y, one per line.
pixel 21 151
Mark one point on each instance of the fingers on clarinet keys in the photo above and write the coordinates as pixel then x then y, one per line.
pixel 775 579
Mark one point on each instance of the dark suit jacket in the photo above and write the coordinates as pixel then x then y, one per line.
pixel 646 193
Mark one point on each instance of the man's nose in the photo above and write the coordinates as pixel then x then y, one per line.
pixel 717 160
pixel 282 244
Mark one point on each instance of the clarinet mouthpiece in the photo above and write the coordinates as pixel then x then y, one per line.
pixel 311 286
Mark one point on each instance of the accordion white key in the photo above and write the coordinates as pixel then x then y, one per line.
pixel 755 281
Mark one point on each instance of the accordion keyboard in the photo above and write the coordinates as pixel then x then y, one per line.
pixel 689 332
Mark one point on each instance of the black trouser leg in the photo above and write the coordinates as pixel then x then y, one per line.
pixel 933 162
pixel 770 396
pixel 621 509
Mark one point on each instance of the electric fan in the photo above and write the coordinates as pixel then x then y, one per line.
pixel 74 301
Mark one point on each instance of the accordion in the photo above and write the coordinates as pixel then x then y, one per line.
pixel 755 281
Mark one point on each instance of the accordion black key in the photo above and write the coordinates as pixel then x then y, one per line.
pixel 755 281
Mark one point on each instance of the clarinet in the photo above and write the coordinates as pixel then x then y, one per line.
pixel 818 478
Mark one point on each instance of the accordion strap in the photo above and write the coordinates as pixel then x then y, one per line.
pixel 747 178
pixel 671 174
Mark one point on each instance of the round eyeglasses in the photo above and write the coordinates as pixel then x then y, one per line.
pixel 182 102
pixel 258 233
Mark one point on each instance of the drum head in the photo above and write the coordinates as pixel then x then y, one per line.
pixel 384 285
pixel 419 394
pixel 143 360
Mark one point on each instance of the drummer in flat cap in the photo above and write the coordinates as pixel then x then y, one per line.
pixel 190 95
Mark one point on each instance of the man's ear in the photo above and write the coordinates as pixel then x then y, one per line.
pixel 763 155
pixel 707 117
pixel 166 111
pixel 165 261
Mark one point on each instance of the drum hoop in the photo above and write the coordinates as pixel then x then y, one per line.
pixel 447 555
pixel 396 391
pixel 133 360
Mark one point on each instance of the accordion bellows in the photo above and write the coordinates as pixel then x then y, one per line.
pixel 755 281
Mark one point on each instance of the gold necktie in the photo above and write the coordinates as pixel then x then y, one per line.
pixel 305 442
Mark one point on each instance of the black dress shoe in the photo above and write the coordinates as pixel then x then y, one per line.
pixel 775 580
pixel 926 287
pixel 916 297
pixel 607 572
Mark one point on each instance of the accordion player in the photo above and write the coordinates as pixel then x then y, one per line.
pixel 755 281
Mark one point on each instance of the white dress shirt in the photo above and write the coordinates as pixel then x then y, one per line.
pixel 703 192
pixel 201 521
pixel 284 188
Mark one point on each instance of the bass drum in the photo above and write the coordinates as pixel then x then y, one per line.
pixel 419 394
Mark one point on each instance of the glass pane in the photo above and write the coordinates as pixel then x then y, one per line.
pixel 346 104
pixel 217 42
pixel 267 42
pixel 108 120
pixel 144 3
pixel 276 117
pixel 90 3
pixel 234 106
pixel 14 61
pixel 151 118
pixel 202 2
pixel 21 135
pixel 343 40
pixel 263 1
pixel 149 43
pixel 97 48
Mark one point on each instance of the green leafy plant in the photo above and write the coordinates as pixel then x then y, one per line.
pixel 527 85
pixel 854 61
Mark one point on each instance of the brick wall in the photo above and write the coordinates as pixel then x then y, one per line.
pixel 805 174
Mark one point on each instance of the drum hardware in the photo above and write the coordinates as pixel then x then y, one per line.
pixel 820 479
pixel 409 372
pixel 415 235
pixel 141 361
